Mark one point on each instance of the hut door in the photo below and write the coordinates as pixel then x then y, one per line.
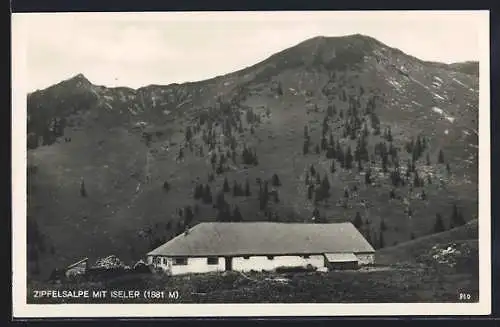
pixel 229 263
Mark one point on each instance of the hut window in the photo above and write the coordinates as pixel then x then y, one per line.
pixel 270 257
pixel 180 261
pixel 305 257
pixel 212 260
pixel 246 257
pixel 165 260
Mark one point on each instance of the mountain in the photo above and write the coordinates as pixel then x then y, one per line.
pixel 410 251
pixel 468 67
pixel 112 170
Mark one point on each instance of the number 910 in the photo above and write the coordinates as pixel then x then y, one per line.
pixel 464 296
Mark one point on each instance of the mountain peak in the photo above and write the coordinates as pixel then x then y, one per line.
pixel 79 78
pixel 350 37
pixel 337 52
pixel 358 41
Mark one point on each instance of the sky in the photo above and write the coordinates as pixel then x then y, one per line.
pixel 138 49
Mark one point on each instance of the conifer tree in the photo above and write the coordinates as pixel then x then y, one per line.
pixel 207 195
pixel 249 157
pixel 263 196
pixel 358 222
pixel 331 141
pixel 220 168
pixel 416 180
pixel 316 216
pixel 198 191
pixel 166 186
pixel 330 111
pixel 220 201
pixel 346 193
pixel 305 147
pixel 213 159
pixel 83 190
pixel 439 225
pixel 237 214
pixel 225 186
pixel 352 133
pixel 457 218
pixel 357 151
pixel 275 180
pixel 324 143
pixel 410 167
pixel 310 191
pixel 348 158
pixel 339 154
pixel 324 129
pixel 188 133
pixel 368 178
pixel 247 188
pixel 223 214
pixel 396 177
pixel 312 170
pixel 332 167
pixel 330 152
pixel 441 157
pixel 325 185
pixel 384 163
pixel 318 195
pixel 236 189
pixel 417 149
pixel 279 89
pixel 375 123
pixel 188 216
pixel 409 146
pixel 392 151
pixel 383 226
pixel 381 241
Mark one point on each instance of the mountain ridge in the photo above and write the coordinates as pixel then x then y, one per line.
pixel 317 39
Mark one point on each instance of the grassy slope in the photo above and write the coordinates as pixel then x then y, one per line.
pixel 409 251
pixel 399 277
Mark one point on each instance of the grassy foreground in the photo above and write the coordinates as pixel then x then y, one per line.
pixel 429 274
pixel 378 285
